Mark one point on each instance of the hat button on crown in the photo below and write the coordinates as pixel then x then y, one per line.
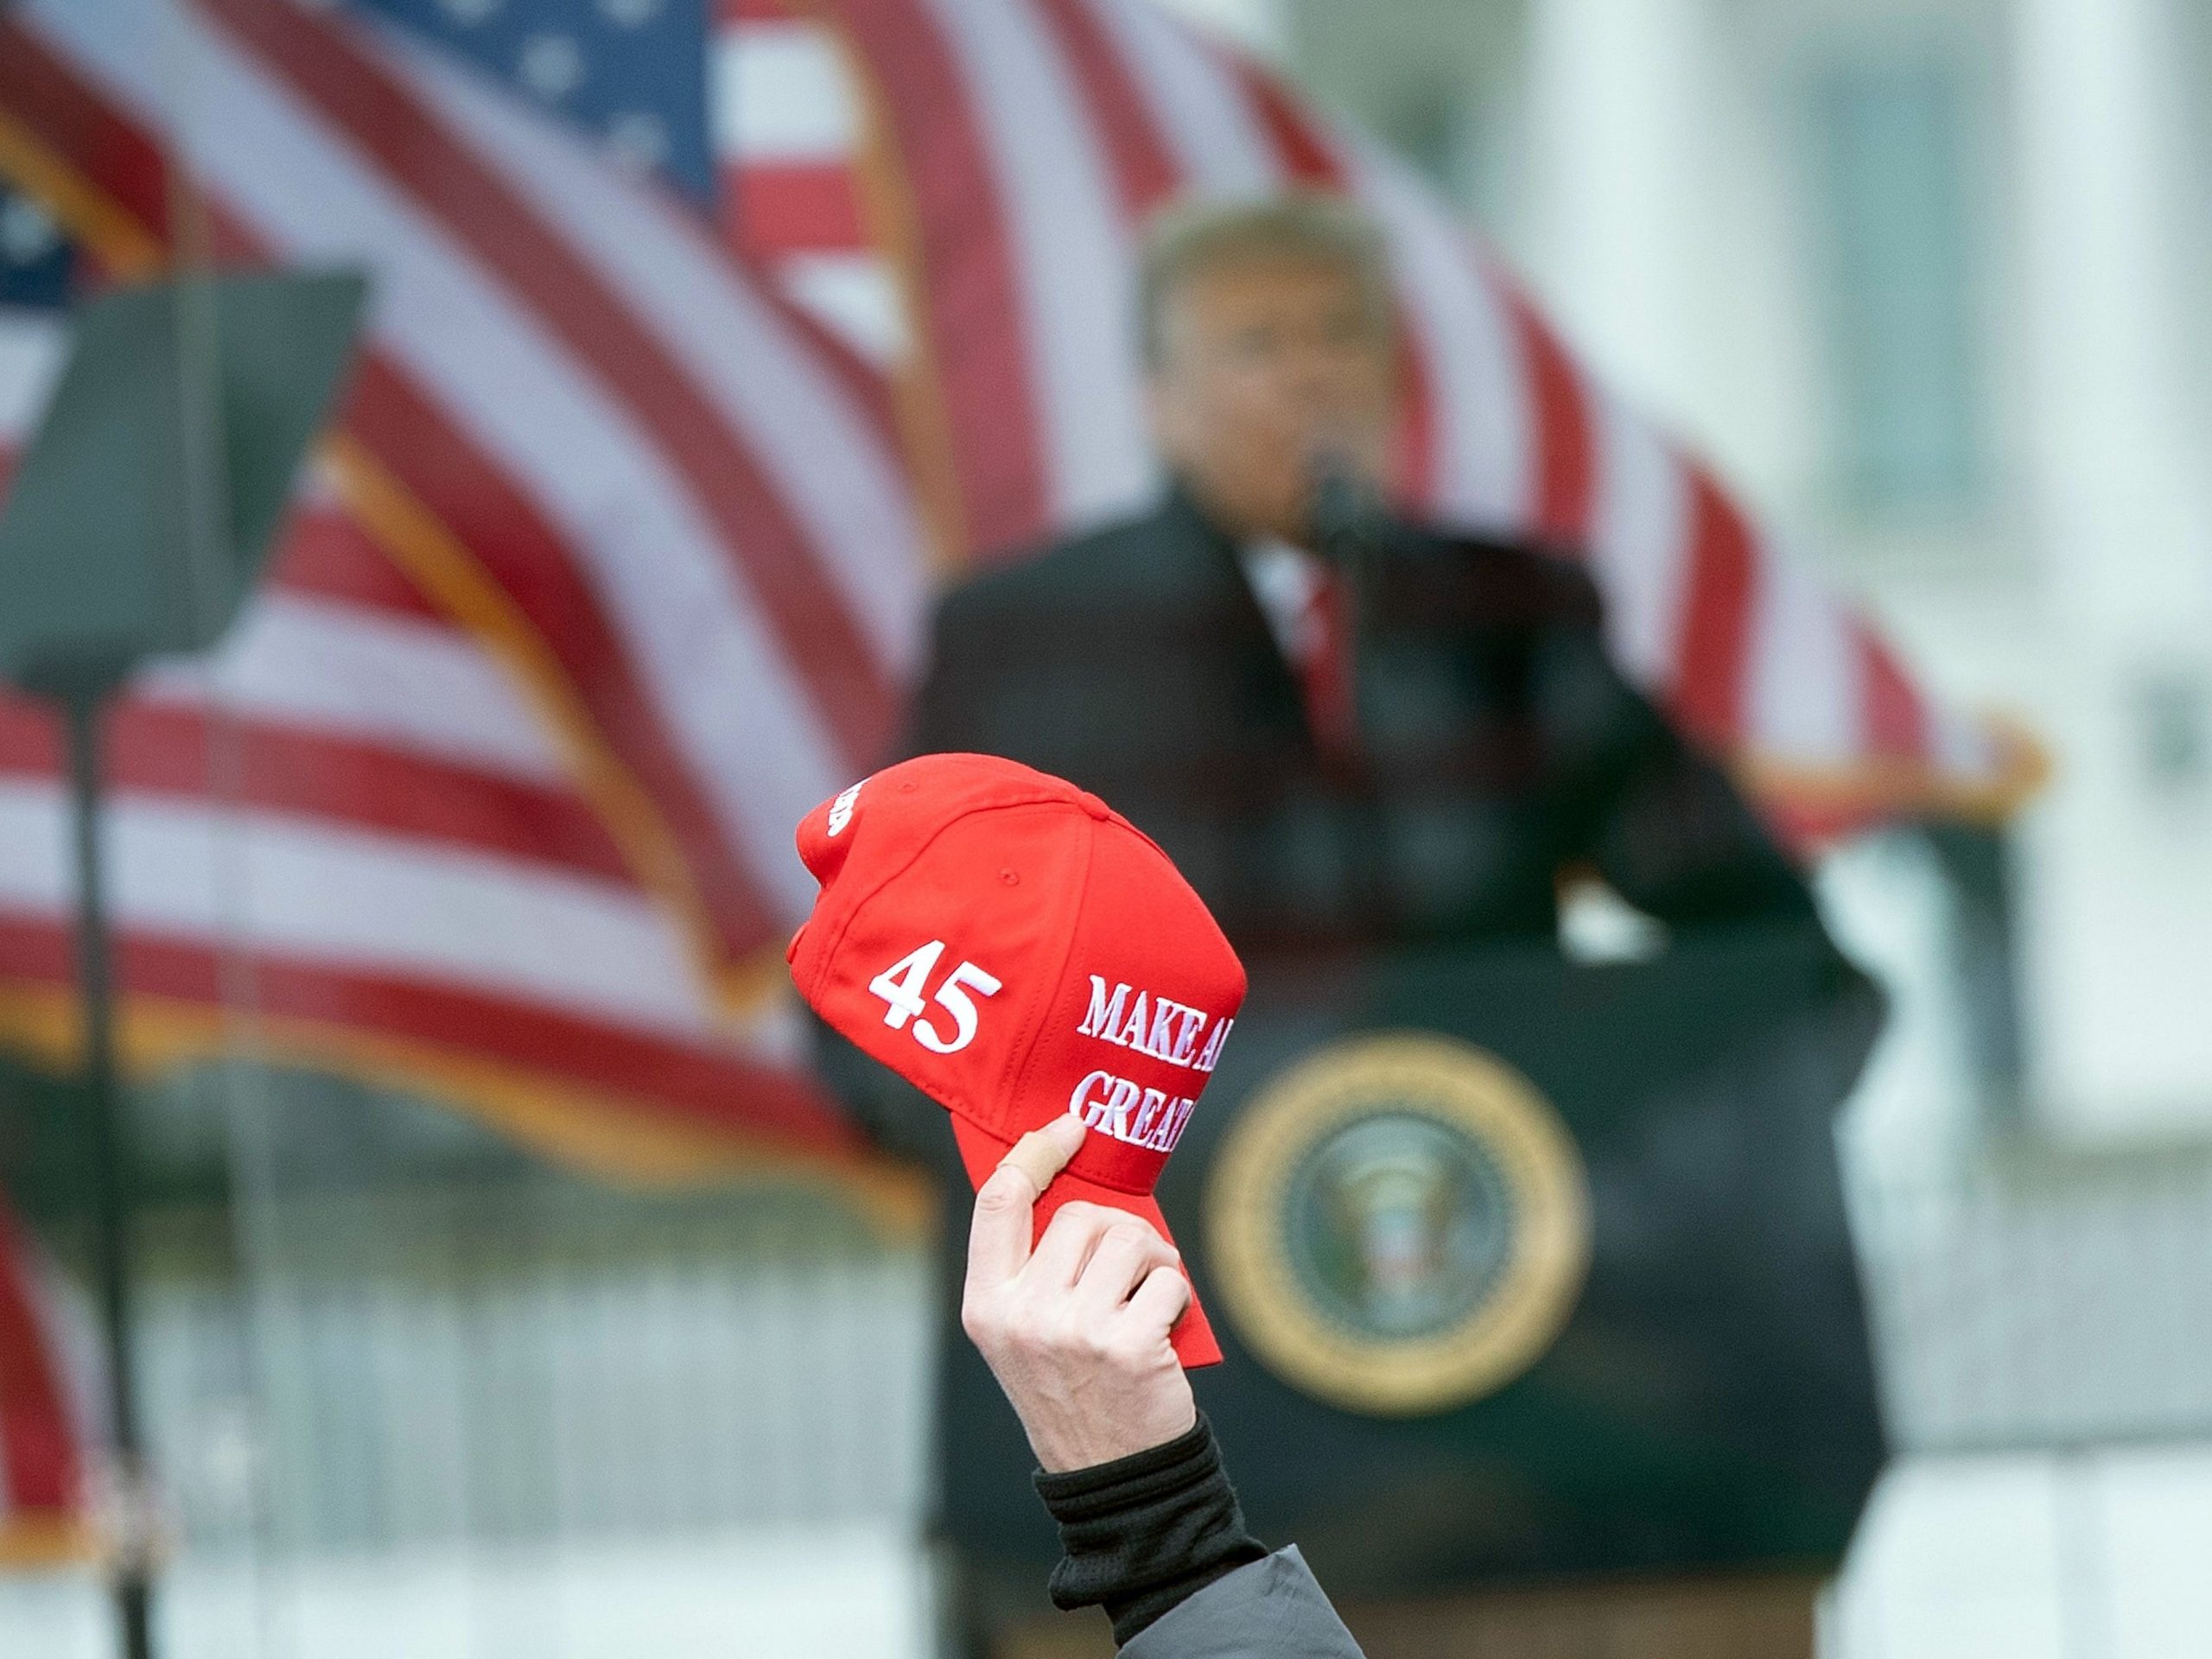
pixel 1096 808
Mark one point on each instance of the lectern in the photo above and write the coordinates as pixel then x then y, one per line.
pixel 1527 1271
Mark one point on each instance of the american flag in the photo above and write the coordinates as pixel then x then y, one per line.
pixel 1018 145
pixel 607 573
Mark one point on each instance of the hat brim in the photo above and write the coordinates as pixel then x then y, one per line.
pixel 982 1153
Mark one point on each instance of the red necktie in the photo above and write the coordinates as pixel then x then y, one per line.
pixel 1326 667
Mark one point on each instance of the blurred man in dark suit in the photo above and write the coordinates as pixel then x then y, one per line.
pixel 1345 730
pixel 1362 739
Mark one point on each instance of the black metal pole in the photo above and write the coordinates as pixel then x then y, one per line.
pixel 108 1149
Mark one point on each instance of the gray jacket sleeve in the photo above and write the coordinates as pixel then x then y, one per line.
pixel 1273 1607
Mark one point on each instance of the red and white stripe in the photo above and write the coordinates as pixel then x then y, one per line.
pixel 43 1443
pixel 1035 135
pixel 703 518
pixel 787 121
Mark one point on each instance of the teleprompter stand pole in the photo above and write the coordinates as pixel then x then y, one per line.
pixel 108 1154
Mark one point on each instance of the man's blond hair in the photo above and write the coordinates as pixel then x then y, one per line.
pixel 1300 226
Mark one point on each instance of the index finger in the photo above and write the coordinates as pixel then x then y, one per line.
pixel 1000 1232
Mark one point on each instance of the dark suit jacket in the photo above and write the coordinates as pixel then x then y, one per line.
pixel 1498 745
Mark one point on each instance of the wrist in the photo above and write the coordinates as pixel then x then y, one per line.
pixel 1082 1440
pixel 1144 1531
pixel 1108 1474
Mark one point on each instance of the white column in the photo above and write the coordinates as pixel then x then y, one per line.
pixel 1653 222
pixel 2117 464
pixel 2121 872
pixel 1615 177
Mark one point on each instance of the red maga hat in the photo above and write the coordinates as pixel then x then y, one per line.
pixel 1016 949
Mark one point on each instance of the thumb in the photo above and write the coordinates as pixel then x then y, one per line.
pixel 1001 1230
pixel 1045 1151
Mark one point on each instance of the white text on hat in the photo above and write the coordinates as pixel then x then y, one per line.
pixel 1164 1029
pixel 1143 1118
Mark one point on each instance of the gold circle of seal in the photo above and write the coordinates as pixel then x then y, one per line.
pixel 1462 1091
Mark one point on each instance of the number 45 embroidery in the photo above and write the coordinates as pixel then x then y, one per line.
pixel 900 985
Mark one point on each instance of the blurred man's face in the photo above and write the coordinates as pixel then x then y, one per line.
pixel 1268 366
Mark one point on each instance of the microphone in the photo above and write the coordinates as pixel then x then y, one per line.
pixel 1343 515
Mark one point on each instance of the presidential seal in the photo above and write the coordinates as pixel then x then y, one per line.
pixel 1399 1223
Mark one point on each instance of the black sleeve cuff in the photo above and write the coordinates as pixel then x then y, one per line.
pixel 1145 1532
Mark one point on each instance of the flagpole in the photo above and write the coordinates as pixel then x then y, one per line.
pixel 108 1148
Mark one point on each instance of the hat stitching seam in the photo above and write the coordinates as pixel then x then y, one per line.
pixel 1090 859
pixel 1027 1052
pixel 1018 1059
pixel 853 910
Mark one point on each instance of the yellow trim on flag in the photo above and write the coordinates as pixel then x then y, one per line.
pixel 43 1540
pixel 1902 788
pixel 128 247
